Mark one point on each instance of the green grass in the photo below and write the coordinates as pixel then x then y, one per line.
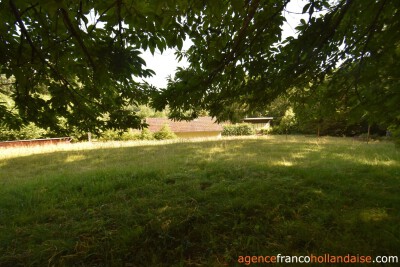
pixel 199 203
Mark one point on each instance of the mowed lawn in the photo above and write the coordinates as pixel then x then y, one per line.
pixel 202 203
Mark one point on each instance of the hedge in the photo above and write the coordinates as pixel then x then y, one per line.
pixel 238 129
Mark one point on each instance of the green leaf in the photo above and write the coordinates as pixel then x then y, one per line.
pixel 306 7
pixel 237 5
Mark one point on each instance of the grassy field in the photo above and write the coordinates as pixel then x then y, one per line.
pixel 199 203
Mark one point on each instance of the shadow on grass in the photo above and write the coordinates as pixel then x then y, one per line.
pixel 203 203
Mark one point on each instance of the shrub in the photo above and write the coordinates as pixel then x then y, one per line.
pixel 146 134
pixel 238 129
pixel 277 130
pixel 127 136
pixel 165 133
pixel 288 123
pixel 264 131
pixel 30 131
pixel 78 135
pixel 394 134
pixel 113 135
pixel 110 135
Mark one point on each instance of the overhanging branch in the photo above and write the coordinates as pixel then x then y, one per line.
pixel 364 51
pixel 74 32
pixel 240 36
pixel 25 32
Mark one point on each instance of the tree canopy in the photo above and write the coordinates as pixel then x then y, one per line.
pixel 76 63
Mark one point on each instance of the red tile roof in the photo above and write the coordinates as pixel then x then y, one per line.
pixel 201 124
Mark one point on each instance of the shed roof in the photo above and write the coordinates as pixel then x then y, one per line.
pixel 201 124
pixel 258 120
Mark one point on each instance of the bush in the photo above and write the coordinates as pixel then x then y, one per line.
pixel 113 135
pixel 128 136
pixel 146 134
pixel 165 133
pixel 264 131
pixel 277 130
pixel 30 131
pixel 78 135
pixel 394 134
pixel 238 129
pixel 287 125
pixel 110 135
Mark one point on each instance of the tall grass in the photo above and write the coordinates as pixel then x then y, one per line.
pixel 198 203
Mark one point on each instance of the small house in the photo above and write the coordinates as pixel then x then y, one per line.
pixel 200 127
pixel 259 123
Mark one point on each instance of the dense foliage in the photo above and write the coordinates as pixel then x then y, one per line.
pixel 237 129
pixel 344 60
pixel 29 131
pixel 165 133
pixel 84 56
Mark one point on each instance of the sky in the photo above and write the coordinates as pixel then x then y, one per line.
pixel 165 64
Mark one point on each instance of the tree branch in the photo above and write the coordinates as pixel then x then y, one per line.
pixel 74 32
pixel 24 31
pixel 239 37
pixel 101 15
pixel 364 51
pixel 119 3
pixel 268 22
pixel 242 32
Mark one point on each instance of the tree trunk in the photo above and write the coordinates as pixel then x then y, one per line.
pixel 369 132
pixel 318 130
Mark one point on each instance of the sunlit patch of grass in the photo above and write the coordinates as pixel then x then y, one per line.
pixel 197 203
pixel 374 160
pixel 73 158
pixel 374 214
pixel 33 150
pixel 284 162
